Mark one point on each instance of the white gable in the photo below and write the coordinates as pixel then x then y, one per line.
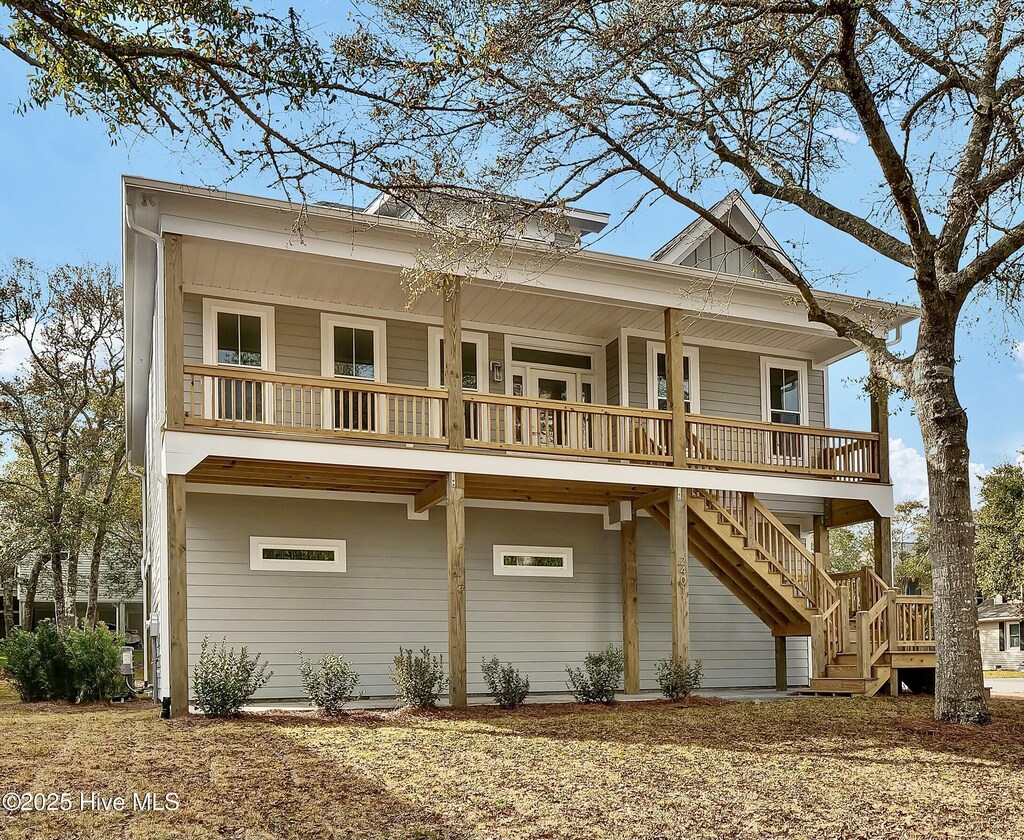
pixel 701 245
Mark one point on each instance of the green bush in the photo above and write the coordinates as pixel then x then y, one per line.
pixel 78 665
pixel 223 681
pixel 599 678
pixel 95 657
pixel 505 684
pixel 330 684
pixel 419 679
pixel 677 678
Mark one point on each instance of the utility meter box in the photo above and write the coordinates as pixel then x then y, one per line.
pixel 128 661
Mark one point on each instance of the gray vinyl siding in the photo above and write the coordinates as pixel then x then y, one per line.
pixel 611 367
pixel 407 353
pixel 993 658
pixel 730 383
pixel 730 380
pixel 394 592
pixel 719 253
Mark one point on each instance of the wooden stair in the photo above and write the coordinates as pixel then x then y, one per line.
pixel 786 586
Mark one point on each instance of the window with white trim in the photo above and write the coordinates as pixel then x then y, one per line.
pixel 657 377
pixel 352 348
pixel 289 554
pixel 238 336
pixel 784 391
pixel 474 360
pixel 1013 631
pixel 532 561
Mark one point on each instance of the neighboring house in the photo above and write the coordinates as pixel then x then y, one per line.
pixel 119 613
pixel 1001 627
pixel 307 486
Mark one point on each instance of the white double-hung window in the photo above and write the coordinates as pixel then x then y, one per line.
pixel 353 349
pixel 239 336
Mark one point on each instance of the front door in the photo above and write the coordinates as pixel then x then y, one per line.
pixel 550 427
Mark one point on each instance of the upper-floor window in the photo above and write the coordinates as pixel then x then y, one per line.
pixel 238 334
pixel 352 347
pixel 474 360
pixel 784 391
pixel 657 378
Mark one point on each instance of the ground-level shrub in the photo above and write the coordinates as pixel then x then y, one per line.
pixel 329 685
pixel 223 681
pixel 599 678
pixel 419 678
pixel 677 677
pixel 504 682
pixel 77 665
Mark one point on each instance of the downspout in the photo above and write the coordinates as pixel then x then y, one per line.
pixel 159 242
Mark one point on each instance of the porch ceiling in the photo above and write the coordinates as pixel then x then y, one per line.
pixel 258 473
pixel 216 267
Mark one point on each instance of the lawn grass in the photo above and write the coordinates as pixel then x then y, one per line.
pixel 874 768
pixel 1005 674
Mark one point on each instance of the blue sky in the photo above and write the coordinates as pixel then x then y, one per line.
pixel 60 203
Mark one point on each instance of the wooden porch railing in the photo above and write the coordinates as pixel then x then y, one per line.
pixel 239 398
pixel 915 623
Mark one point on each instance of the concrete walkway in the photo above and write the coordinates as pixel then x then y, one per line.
pixel 1013 685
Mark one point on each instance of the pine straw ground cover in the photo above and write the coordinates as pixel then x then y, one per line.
pixel 816 768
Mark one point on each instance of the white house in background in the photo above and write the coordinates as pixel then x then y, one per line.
pixel 1001 628
pixel 628 451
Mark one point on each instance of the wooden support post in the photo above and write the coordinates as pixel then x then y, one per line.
pixel 781 665
pixel 177 595
pixel 679 552
pixel 174 331
pixel 674 378
pixel 821 542
pixel 880 424
pixel 456 413
pixel 630 619
pixel 456 538
pixel 883 548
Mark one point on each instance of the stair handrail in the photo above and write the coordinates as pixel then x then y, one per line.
pixel 823 588
pixel 873 632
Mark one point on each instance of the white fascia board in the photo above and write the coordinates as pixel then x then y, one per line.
pixel 183 451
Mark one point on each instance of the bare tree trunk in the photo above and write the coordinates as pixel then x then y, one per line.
pixel 959 678
pixel 28 609
pixel 71 587
pixel 60 615
pixel 92 610
pixel 9 604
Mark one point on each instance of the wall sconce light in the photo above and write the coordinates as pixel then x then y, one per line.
pixel 496 372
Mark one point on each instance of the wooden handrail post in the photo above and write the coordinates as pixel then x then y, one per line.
pixel 675 379
pixel 863 645
pixel 883 548
pixel 456 414
pixel 818 654
pixel 749 538
pixel 844 617
pixel 890 617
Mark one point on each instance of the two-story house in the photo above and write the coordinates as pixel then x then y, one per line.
pixel 599 450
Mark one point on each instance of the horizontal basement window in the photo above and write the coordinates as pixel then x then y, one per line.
pixel 290 554
pixel 532 561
